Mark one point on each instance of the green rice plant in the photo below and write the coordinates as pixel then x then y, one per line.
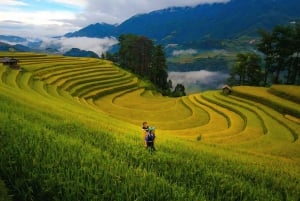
pixel 262 95
pixel 67 82
pixel 281 133
pixel 171 115
pixel 218 120
pixel 71 68
pixel 81 77
pixel 70 83
pixel 254 126
pixel 24 80
pixel 4 195
pixel 107 88
pixel 51 161
pixel 290 92
pixel 89 87
pixel 150 103
pixel 237 120
pixel 40 87
pixel 2 73
pixel 9 77
pixel 58 147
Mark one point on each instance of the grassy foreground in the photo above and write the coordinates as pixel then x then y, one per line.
pixel 70 130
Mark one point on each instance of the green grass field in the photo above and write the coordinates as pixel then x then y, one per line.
pixel 71 130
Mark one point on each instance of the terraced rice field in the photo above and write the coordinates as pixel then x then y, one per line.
pixel 93 105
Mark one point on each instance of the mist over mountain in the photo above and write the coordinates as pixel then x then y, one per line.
pixel 203 39
pixel 17 47
pixel 205 26
pixel 237 18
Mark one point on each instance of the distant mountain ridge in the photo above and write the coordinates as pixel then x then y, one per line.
pixel 12 39
pixel 230 20
pixel 17 47
pixel 98 30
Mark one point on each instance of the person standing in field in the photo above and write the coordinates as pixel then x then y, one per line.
pixel 150 138
pixel 145 129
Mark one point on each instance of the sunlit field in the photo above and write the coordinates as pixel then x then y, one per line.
pixel 71 130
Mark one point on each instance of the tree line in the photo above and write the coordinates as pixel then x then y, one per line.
pixel 277 60
pixel 139 55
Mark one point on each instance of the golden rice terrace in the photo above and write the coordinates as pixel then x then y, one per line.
pixel 242 134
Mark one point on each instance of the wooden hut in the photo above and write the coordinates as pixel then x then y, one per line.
pixel 226 89
pixel 11 62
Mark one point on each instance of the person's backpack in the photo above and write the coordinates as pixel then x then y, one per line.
pixel 150 137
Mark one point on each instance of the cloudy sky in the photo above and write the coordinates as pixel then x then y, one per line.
pixel 44 18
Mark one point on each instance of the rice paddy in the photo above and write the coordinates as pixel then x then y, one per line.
pixel 71 130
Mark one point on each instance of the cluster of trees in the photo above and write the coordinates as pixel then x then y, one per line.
pixel 278 63
pixel 247 70
pixel 142 57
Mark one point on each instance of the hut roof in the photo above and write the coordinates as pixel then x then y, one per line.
pixel 9 60
pixel 227 87
pixel 5 59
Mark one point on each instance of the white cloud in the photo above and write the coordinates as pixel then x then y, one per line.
pixel 203 78
pixel 37 24
pixel 38 17
pixel 97 45
pixel 12 3
pixel 77 3
pixel 119 10
pixel 35 31
pixel 184 52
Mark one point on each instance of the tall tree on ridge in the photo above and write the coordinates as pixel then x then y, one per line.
pixel 159 69
pixel 281 48
pixel 247 70
pixel 135 53
pixel 138 54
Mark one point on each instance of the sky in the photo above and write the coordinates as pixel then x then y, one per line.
pixel 47 18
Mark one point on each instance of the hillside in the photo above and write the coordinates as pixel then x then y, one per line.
pixel 235 19
pixel 98 30
pixel 14 39
pixel 71 130
pixel 17 47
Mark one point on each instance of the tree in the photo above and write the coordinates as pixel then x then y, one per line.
pixel 247 70
pixel 159 69
pixel 135 53
pixel 282 39
pixel 293 69
pixel 253 70
pixel 179 91
pixel 139 54
pixel 238 72
pixel 266 47
pixel 281 48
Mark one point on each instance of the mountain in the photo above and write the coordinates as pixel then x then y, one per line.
pixel 98 30
pixel 17 47
pixel 12 39
pixel 237 18
pixel 20 43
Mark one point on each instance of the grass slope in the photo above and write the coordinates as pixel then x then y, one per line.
pixel 70 130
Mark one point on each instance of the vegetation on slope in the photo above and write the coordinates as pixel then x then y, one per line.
pixel 280 49
pixel 289 92
pixel 4 192
pixel 59 146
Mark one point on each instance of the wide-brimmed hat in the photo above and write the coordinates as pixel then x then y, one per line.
pixel 151 128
